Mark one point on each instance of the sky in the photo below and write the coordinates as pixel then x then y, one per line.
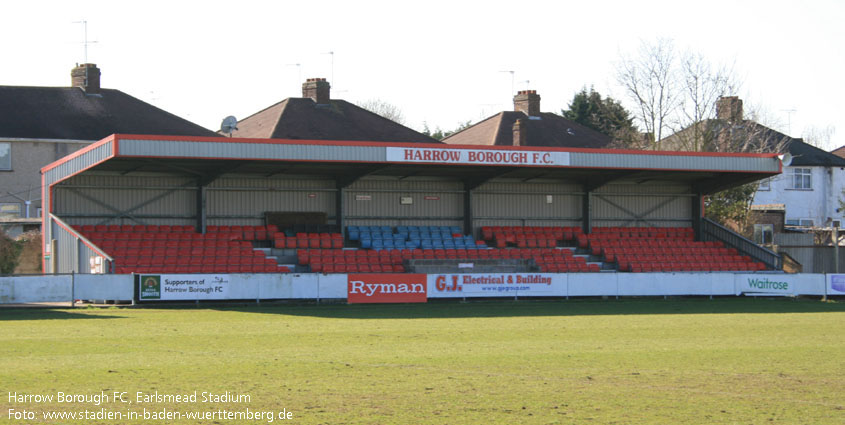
pixel 441 63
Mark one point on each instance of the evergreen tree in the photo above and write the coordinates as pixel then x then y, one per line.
pixel 605 115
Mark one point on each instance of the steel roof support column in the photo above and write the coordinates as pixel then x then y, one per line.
pixel 340 209
pixel 697 213
pixel 202 207
pixel 469 217
pixel 587 212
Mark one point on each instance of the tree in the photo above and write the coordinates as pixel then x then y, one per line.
pixel 819 137
pixel 678 95
pixel 732 207
pixel 441 134
pixel 703 84
pixel 605 115
pixel 9 252
pixel 650 81
pixel 385 109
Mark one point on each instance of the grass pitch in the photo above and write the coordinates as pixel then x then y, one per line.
pixel 634 361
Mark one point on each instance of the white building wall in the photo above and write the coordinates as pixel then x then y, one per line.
pixel 817 203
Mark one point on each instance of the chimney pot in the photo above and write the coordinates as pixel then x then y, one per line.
pixel 527 102
pixel 318 89
pixel 729 108
pixel 86 77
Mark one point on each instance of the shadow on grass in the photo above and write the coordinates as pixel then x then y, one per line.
pixel 10 314
pixel 527 308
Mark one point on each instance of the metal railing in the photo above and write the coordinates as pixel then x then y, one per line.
pixel 712 231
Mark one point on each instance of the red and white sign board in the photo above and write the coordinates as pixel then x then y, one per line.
pixel 478 157
pixel 387 288
pixel 496 285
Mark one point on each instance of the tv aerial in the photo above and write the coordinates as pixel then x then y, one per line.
pixel 229 125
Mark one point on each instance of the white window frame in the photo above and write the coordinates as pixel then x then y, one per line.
pixel 5 208
pixel 5 156
pixel 802 179
pixel 765 185
pixel 760 231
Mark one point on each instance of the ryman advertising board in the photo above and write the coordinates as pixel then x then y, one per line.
pixel 386 288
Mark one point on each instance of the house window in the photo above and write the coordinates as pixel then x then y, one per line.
pixel 763 233
pixel 837 224
pixel 10 209
pixel 801 178
pixel 765 184
pixel 802 222
pixel 5 156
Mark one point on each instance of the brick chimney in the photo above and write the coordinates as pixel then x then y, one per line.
pixel 528 102
pixel 317 89
pixel 86 77
pixel 520 133
pixel 729 108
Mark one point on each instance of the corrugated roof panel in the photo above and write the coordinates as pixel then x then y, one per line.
pixel 674 162
pixel 273 150
pixel 255 151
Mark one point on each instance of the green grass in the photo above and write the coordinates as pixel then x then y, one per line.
pixel 635 361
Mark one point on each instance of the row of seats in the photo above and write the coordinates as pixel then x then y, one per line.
pixel 247 233
pixel 110 245
pixel 355 231
pixel 412 237
pixel 165 232
pixel 361 255
pixel 673 245
pixel 654 266
pixel 610 252
pixel 648 243
pixel 646 232
pixel 466 242
pixel 215 268
pixel 137 228
pixel 308 240
pixel 225 251
pixel 392 261
pixel 528 236
pixel 569 268
pixel 357 268
pixel 131 260
pixel 489 231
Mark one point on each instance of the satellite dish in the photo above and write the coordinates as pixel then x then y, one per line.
pixel 785 159
pixel 229 125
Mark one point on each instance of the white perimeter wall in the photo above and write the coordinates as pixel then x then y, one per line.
pixel 64 288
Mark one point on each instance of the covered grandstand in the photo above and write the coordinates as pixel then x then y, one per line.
pixel 175 204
